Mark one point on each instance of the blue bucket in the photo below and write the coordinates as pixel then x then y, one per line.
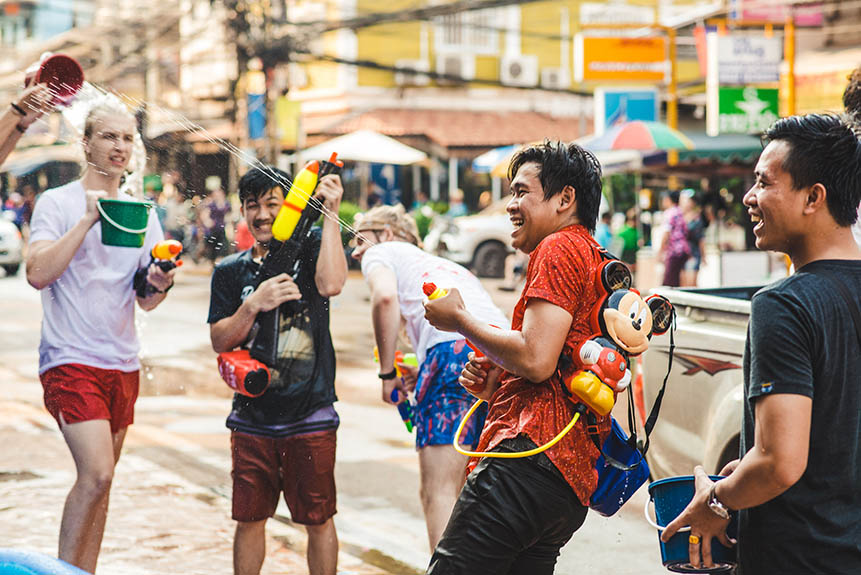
pixel 13 562
pixel 671 496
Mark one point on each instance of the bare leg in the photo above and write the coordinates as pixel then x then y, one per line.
pixel 443 473
pixel 94 451
pixel 322 548
pixel 249 547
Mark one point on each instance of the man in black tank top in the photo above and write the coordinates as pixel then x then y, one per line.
pixel 798 482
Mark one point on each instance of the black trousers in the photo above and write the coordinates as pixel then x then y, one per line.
pixel 512 516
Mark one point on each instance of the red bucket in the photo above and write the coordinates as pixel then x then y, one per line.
pixel 63 75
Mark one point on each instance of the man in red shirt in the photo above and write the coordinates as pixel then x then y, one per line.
pixel 513 515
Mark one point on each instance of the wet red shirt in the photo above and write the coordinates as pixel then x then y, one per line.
pixel 561 271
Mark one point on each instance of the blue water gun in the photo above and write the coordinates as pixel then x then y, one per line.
pixel 405 408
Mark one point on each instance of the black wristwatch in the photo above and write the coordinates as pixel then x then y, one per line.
pixel 716 506
pixel 390 375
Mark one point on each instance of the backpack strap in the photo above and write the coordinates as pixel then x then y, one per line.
pixel 592 420
pixel 649 425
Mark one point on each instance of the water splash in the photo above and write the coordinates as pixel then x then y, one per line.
pixel 252 162
pixel 75 114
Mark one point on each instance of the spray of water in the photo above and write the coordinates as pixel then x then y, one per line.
pixel 91 95
pixel 251 161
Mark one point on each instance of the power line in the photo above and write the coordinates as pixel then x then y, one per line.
pixel 371 64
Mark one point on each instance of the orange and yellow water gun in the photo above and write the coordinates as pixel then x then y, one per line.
pixel 405 408
pixel 165 255
pixel 291 228
pixel 432 292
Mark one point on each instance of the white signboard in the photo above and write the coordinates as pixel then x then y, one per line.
pixel 748 60
pixel 615 13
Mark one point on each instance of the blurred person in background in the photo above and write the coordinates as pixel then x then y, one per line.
pixel 696 224
pixel 15 205
pixel 674 250
pixel 603 235
pixel 456 207
pixel 214 218
pixel 484 200
pixel 630 237
pixel 852 103
pixel 515 270
pixel 176 218
pixel 242 238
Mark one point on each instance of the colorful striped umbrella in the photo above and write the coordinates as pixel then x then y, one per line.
pixel 485 163
pixel 639 135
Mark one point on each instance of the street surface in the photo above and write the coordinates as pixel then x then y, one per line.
pixel 170 504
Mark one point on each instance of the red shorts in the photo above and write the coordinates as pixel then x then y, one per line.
pixel 83 393
pixel 303 467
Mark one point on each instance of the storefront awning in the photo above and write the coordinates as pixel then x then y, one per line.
pixel 27 160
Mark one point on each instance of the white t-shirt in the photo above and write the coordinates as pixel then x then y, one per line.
pixel 88 312
pixel 414 266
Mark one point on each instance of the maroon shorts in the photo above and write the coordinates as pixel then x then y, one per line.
pixel 303 467
pixel 83 393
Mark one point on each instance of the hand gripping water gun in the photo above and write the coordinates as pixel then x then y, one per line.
pixel 432 292
pixel 291 228
pixel 405 408
pixel 165 255
pixel 242 373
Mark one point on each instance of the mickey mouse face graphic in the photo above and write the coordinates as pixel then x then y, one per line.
pixel 627 320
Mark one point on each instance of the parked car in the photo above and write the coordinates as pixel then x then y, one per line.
pixel 11 246
pixel 700 418
pixel 480 241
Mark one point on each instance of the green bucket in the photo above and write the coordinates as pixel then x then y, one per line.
pixel 124 223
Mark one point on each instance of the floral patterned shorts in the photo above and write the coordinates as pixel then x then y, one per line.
pixel 441 402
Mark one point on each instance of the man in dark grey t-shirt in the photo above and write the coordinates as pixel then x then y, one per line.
pixel 284 440
pixel 798 482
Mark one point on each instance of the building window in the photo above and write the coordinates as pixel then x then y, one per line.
pixel 474 32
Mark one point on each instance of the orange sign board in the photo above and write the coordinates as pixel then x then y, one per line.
pixel 816 92
pixel 601 58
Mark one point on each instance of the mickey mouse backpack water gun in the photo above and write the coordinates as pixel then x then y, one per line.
pixel 623 323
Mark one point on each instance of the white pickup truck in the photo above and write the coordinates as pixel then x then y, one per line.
pixel 700 418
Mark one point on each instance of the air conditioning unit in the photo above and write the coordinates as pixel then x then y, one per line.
pixel 555 78
pixel 519 70
pixel 410 79
pixel 460 66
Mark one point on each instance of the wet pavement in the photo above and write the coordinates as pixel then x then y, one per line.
pixel 170 501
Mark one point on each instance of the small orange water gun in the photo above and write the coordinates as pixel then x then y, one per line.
pixel 433 292
pixel 165 255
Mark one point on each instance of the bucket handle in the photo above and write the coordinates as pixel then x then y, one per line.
pixel 655 523
pixel 118 226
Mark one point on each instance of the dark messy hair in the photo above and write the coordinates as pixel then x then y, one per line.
pixel 257 182
pixel 673 195
pixel 852 95
pixel 565 165
pixel 823 149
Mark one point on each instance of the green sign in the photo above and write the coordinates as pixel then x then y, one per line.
pixel 746 110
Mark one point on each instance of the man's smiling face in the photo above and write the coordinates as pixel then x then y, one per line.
pixel 530 213
pixel 260 212
pixel 774 205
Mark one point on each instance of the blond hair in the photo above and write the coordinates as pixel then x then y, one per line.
pixel 393 218
pixel 108 105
